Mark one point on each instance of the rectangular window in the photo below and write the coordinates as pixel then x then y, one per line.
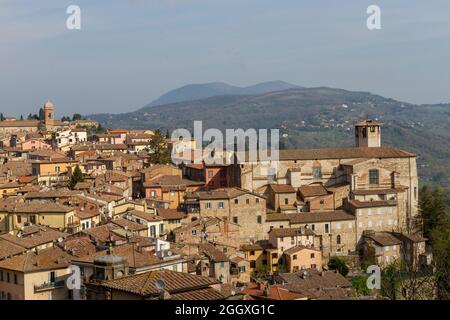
pixel 373 176
pixel 236 201
pixel 253 264
pixel 15 278
pixel 259 219
pixel 294 257
pixel 247 201
pixel 257 200
pixel 312 256
pixel 327 228
pixel 221 205
pixel 210 173
pixel 235 220
pixel 208 205
pixel 286 201
pixel 19 218
pixel 152 231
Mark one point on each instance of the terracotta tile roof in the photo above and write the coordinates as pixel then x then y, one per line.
pixel 129 225
pixel 259 245
pixel 275 292
pixel 171 181
pixel 320 216
pixel 135 257
pixel 144 215
pixel 167 214
pixel 371 204
pixel 100 147
pixel 78 246
pixel 20 123
pixel 46 259
pixel 237 260
pixel 282 188
pixel 26 179
pixel 52 194
pixel 201 294
pixel 103 233
pixel 311 280
pixel 8 249
pixel 298 249
pixel 10 185
pixel 313 190
pixel 31 239
pixel 291 232
pixel 384 239
pixel 339 153
pixel 86 214
pixel 212 252
pixel 144 284
pixel 40 207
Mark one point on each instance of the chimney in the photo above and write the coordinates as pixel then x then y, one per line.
pixel 164 295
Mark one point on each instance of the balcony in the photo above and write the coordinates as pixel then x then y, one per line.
pixel 49 286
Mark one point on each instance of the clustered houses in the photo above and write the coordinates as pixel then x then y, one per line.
pixel 205 228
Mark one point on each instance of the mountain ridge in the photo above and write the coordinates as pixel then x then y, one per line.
pixel 311 118
pixel 198 91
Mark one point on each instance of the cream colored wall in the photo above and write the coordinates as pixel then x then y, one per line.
pixel 39 278
pixel 24 289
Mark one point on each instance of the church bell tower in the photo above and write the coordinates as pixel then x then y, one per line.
pixel 368 134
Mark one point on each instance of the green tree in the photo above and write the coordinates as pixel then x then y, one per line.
pixel 1 117
pixel 77 176
pixel 436 227
pixel 76 117
pixel 21 117
pixel 41 114
pixel 338 264
pixel 390 282
pixel 159 152
pixel 359 284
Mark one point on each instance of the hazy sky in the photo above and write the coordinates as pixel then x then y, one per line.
pixel 127 53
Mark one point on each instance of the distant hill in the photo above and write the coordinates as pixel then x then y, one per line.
pixel 206 90
pixel 312 117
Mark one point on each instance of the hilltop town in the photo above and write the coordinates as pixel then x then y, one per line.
pixel 108 209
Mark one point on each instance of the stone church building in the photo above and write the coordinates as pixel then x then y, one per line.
pixel 48 124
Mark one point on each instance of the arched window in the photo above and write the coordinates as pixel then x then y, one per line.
pixel 338 239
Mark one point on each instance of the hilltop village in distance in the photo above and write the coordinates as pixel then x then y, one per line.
pixel 106 208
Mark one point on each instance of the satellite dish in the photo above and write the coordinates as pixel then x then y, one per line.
pixel 160 284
